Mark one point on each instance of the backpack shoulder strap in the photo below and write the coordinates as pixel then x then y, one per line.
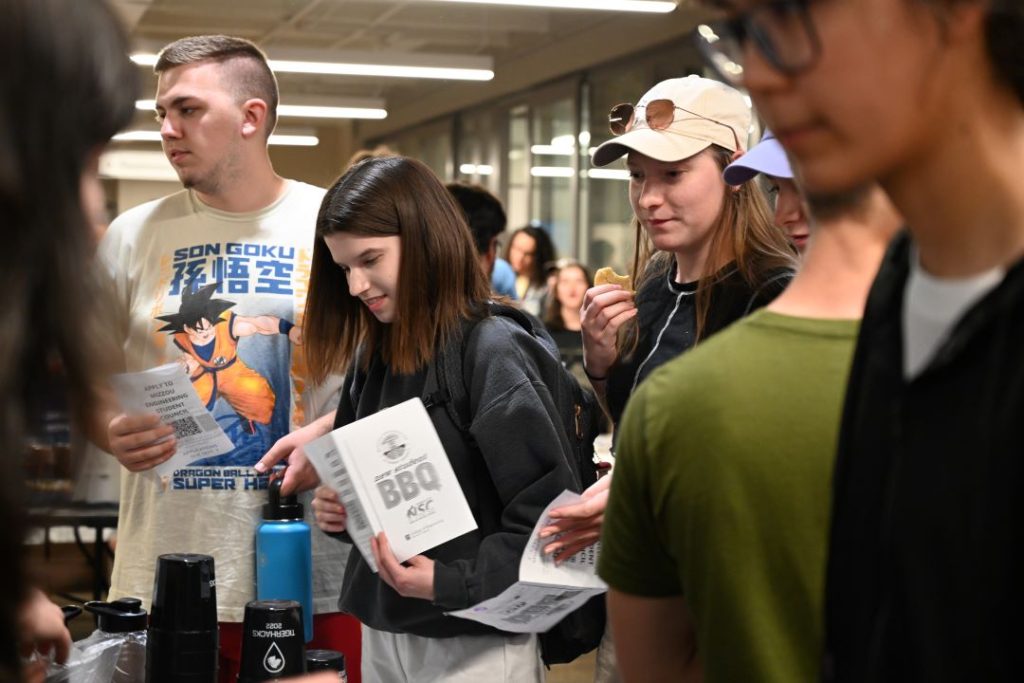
pixel 516 314
pixel 445 385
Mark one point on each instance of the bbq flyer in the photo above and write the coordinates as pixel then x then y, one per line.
pixel 392 475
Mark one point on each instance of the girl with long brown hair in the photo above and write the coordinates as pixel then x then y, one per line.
pixel 395 277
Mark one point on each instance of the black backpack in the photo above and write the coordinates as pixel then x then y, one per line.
pixel 580 631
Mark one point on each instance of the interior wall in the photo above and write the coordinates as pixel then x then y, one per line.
pixel 319 165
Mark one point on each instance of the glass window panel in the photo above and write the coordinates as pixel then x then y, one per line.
pixel 517 204
pixel 608 236
pixel 478 153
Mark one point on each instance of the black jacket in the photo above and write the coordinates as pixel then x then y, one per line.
pixel 667 320
pixel 925 574
pixel 518 467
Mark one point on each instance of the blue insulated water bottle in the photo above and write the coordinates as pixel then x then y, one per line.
pixel 284 555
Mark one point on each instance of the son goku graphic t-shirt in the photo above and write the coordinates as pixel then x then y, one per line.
pixel 222 294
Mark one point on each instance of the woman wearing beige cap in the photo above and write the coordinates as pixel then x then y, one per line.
pixel 706 254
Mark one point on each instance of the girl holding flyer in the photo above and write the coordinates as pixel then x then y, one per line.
pixel 395 277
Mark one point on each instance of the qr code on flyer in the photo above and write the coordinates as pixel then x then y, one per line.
pixel 190 426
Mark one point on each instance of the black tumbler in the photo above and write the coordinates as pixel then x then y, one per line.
pixel 273 645
pixel 181 645
pixel 326 660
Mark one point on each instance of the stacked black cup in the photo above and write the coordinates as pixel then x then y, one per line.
pixel 273 645
pixel 326 660
pixel 181 644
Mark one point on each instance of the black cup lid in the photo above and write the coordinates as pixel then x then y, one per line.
pixel 281 507
pixel 184 593
pixel 119 616
pixel 324 660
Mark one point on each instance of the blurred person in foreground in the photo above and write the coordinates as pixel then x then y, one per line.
pixel 49 187
pixel 926 96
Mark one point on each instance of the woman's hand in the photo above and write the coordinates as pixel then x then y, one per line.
pixel 300 474
pixel 330 513
pixel 605 309
pixel 579 525
pixel 414 579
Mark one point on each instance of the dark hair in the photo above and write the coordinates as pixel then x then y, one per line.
pixel 248 73
pixel 553 319
pixel 66 86
pixel 197 305
pixel 544 252
pixel 483 211
pixel 440 281
pixel 1004 34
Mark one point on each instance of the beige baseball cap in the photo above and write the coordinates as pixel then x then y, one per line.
pixel 708 112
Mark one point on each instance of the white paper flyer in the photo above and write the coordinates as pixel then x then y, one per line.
pixel 545 592
pixel 167 391
pixel 392 475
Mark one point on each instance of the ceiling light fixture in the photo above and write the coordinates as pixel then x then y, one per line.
pixel 409 65
pixel 321 112
pixel 476 169
pixel 655 6
pixel 343 109
pixel 284 139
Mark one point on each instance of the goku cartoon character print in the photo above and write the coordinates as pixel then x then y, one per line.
pixel 229 313
pixel 221 351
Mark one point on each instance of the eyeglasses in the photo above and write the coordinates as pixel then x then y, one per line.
pixel 658 114
pixel 782 31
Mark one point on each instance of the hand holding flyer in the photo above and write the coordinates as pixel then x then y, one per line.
pixel 392 475
pixel 167 391
pixel 545 592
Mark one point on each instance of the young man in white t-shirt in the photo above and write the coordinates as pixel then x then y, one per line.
pixel 214 277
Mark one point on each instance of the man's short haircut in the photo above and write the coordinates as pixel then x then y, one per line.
pixel 484 213
pixel 248 73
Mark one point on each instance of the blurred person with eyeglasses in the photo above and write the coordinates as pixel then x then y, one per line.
pixel 926 555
